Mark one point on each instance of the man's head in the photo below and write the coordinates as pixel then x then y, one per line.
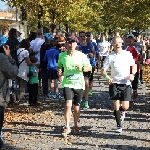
pixel 88 36
pixel 125 38
pixel 82 36
pixel 137 37
pixel 103 36
pixel 117 43
pixel 53 42
pixel 71 44
pixel 39 33
pixel 130 38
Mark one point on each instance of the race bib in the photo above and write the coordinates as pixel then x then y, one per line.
pixel 72 77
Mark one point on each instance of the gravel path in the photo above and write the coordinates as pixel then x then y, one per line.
pixel 28 128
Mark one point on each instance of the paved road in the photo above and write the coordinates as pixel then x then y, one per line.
pixel 40 128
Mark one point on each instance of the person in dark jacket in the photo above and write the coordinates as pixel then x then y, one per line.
pixel 8 70
pixel 13 43
pixel 43 65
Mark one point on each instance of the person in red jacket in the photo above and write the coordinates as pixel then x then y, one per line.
pixel 131 48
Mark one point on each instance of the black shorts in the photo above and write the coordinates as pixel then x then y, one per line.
pixel 52 74
pixel 73 94
pixel 89 74
pixel 120 92
pixel 102 58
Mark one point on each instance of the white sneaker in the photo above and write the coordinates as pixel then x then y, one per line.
pixel 122 115
pixel 119 130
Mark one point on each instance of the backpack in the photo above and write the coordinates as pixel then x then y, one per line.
pixel 17 60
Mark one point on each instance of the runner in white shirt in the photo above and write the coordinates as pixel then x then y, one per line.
pixel 104 47
pixel 120 79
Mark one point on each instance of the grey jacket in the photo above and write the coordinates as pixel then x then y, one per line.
pixel 8 70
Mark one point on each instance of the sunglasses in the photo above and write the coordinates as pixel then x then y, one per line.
pixel 61 45
pixel 88 35
pixel 82 36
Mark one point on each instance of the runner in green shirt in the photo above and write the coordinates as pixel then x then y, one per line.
pixel 74 63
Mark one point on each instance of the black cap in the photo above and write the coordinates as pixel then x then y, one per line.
pixel 70 40
pixel 88 33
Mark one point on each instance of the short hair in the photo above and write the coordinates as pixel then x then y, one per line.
pixel 115 39
pixel 33 59
pixel 81 32
pixel 53 42
pixel 103 34
pixel 25 43
pixel 39 32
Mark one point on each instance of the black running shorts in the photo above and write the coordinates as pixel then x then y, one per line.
pixel 73 94
pixel 89 74
pixel 120 92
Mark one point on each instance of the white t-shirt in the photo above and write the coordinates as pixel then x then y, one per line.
pixel 35 45
pixel 93 40
pixel 22 54
pixel 23 67
pixel 120 66
pixel 103 48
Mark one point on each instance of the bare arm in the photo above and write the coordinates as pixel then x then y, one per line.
pixel 27 59
pixel 134 68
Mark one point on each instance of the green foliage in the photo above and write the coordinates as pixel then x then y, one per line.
pixel 94 15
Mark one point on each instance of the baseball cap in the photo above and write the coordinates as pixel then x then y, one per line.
pixel 70 40
pixel 48 36
pixel 130 35
pixel 88 33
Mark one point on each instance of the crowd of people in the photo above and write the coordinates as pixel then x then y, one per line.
pixel 71 60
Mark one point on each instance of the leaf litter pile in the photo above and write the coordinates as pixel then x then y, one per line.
pixel 31 124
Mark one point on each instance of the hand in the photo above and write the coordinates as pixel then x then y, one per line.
pixel 91 55
pixel 110 81
pixel 131 77
pixel 6 50
pixel 78 67
pixel 59 72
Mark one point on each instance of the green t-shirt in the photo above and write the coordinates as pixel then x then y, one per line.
pixel 33 79
pixel 73 78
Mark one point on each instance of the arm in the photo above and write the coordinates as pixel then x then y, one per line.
pixel 134 68
pixel 59 65
pixel 86 66
pixel 9 67
pixel 93 50
pixel 104 73
pixel 27 59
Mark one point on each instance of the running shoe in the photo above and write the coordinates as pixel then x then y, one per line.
pixel 76 130
pixel 86 104
pixel 119 130
pixel 90 92
pixel 49 95
pixel 56 95
pixel 122 115
pixel 66 131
